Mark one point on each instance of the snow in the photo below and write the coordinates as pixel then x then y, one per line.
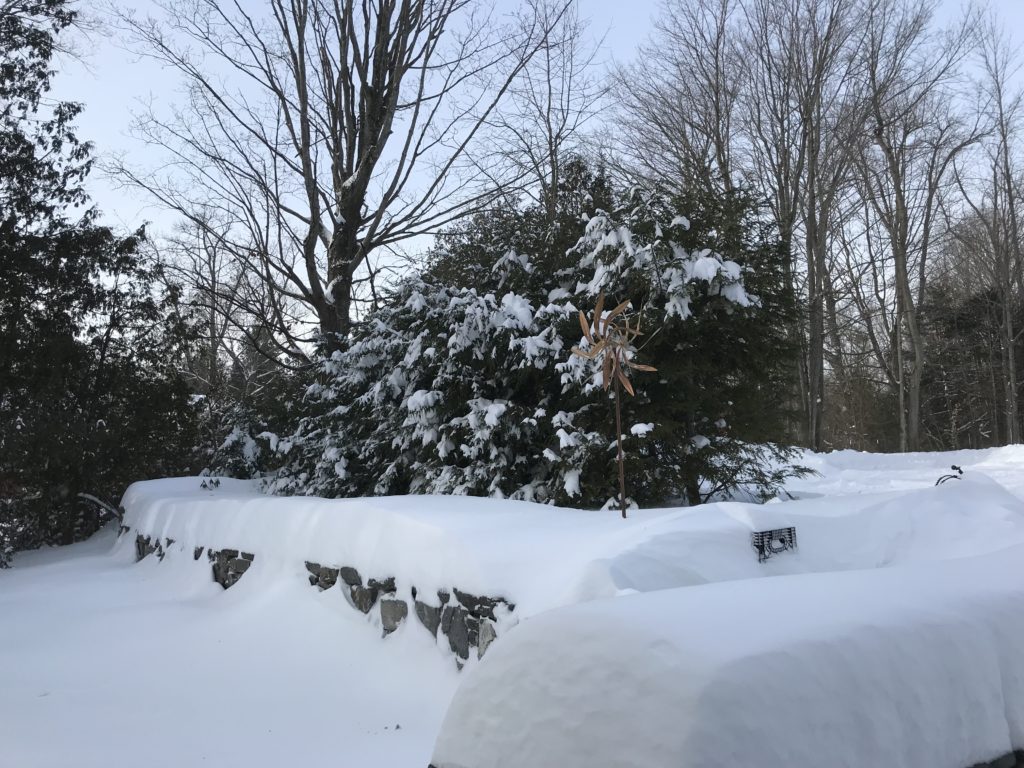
pixel 516 312
pixel 422 399
pixel 892 628
pixel 847 472
pixel 924 671
pixel 543 557
pixel 106 663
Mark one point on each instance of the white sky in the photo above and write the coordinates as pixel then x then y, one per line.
pixel 111 83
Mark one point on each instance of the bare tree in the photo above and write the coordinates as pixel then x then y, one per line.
pixel 801 116
pixel 552 105
pixel 989 227
pixel 226 301
pixel 678 101
pixel 327 131
pixel 914 135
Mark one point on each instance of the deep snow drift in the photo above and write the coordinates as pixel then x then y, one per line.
pixel 107 662
pixel 917 666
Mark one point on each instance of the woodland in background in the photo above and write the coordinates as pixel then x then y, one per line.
pixel 355 179
pixel 881 138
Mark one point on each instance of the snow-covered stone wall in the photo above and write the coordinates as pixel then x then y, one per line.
pixel 468 569
pixel 467 622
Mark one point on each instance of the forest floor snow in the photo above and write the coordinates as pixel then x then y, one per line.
pixel 107 662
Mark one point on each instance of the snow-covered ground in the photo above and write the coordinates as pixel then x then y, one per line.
pixel 105 663
pixel 852 472
pixel 108 662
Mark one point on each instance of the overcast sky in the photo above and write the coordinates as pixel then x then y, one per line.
pixel 111 83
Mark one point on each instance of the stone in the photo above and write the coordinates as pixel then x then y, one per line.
pixel 458 632
pixel 322 576
pixel 328 577
pixel 487 635
pixel 387 586
pixel 314 573
pixel 197 553
pixel 477 605
pixel 363 598
pixel 429 616
pixel 220 572
pixel 350 576
pixel 443 596
pixel 392 613
pixel 228 566
pixel 248 556
pixel 143 547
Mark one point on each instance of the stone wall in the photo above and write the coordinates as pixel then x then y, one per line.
pixel 467 622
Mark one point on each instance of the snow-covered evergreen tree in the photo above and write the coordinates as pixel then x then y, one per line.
pixel 468 386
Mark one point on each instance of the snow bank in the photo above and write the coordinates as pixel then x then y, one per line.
pixel 540 557
pixel 105 663
pixel 851 472
pixel 915 666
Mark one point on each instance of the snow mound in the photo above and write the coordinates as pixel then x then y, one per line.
pixel 912 666
pixel 541 557
pixel 850 472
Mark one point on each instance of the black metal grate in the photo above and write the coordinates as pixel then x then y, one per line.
pixel 768 543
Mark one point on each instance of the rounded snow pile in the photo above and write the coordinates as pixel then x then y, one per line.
pixel 915 665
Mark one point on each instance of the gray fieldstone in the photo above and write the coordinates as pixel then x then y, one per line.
pixel 487 635
pixel 321 576
pixel 429 616
pixel 143 547
pixel 458 631
pixel 387 586
pixel 350 576
pixel 228 566
pixel 392 613
pixel 363 597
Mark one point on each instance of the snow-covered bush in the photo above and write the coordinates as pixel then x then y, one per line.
pixel 471 388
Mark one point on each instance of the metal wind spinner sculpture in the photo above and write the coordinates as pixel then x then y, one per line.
pixel 611 340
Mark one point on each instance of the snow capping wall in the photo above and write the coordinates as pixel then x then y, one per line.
pixel 469 568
